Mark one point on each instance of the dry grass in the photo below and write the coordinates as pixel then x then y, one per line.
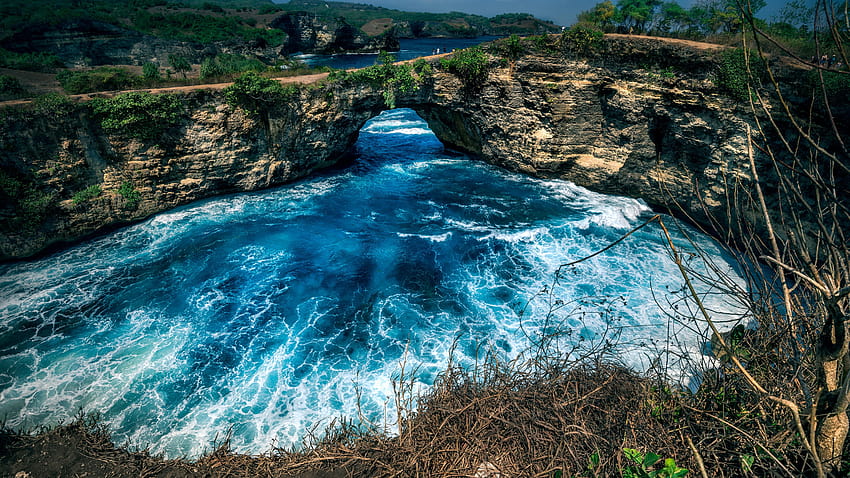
pixel 541 418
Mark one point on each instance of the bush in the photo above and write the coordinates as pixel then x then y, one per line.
pixel 31 203
pixel 54 104
pixel 130 195
pixel 29 61
pixel 137 114
pixel 836 85
pixel 389 76
pixel 105 78
pixel 582 39
pixel 734 78
pixel 223 65
pixel 150 72
pixel 87 194
pixel 11 88
pixel 511 47
pixel 471 65
pixel 255 93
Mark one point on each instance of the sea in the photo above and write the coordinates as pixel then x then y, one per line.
pixel 269 314
pixel 409 49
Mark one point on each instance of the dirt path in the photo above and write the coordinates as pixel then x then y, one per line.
pixel 302 79
pixel 675 41
pixel 44 83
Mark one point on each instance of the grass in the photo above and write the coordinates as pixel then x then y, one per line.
pixel 548 416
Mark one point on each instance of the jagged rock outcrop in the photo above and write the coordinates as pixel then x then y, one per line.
pixel 217 149
pixel 643 119
pixel 308 33
pixel 613 124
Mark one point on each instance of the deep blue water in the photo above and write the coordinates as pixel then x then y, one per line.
pixel 409 49
pixel 270 312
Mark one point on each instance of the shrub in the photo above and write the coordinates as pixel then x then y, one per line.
pixel 582 39
pixel 511 47
pixel 55 104
pixel 130 195
pixel 105 78
pixel 255 93
pixel 471 65
pixel 150 72
pixel 389 76
pixel 835 84
pixel 87 194
pixel 137 114
pixel 32 204
pixel 225 64
pixel 29 61
pixel 11 88
pixel 179 63
pixel 733 76
pixel 423 68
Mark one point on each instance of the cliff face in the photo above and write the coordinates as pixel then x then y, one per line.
pixel 644 120
pixel 612 124
pixel 307 33
pixel 217 149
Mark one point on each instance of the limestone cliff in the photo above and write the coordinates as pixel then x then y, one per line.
pixel 308 33
pixel 643 119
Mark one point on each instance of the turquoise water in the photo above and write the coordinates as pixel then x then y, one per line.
pixel 271 312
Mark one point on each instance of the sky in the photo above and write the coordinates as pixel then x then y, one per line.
pixel 562 12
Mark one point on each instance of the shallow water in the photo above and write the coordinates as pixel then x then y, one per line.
pixel 273 311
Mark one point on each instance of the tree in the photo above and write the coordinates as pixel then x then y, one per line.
pixel 602 15
pixel 793 215
pixel 673 19
pixel 637 15
pixel 179 63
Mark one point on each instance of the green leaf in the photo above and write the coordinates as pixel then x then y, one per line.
pixel 633 455
pixel 747 462
pixel 650 459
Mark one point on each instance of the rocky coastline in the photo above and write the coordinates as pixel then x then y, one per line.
pixel 611 123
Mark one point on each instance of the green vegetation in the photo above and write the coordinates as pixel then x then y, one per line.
pixel 150 72
pixel 105 78
pixel 471 65
pixel 244 20
pixel 130 194
pixel 54 104
pixel 390 77
pixel 179 63
pixel 137 114
pixel 31 204
pixel 29 61
pixel 835 85
pixel 227 65
pixel 644 466
pixel 656 17
pixel 11 88
pixel 203 28
pixel 87 194
pixel 512 47
pixel 256 94
pixel 582 39
pixel 737 71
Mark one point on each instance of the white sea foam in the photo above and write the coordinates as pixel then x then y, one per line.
pixel 275 312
